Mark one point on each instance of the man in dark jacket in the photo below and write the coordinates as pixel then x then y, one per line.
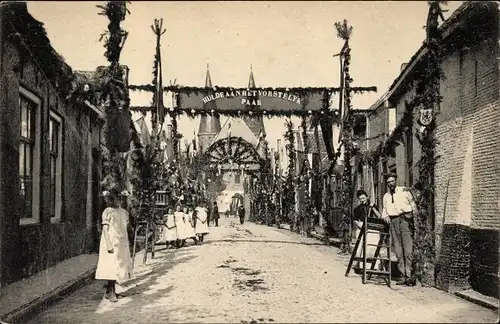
pixel 215 214
pixel 241 214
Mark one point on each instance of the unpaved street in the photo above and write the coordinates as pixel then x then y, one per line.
pixel 253 273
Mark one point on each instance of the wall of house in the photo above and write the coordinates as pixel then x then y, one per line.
pixel 467 176
pixel 468 173
pixel 377 129
pixel 28 249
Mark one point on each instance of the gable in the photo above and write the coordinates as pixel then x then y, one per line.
pixel 238 128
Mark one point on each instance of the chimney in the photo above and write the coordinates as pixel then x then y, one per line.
pixel 403 66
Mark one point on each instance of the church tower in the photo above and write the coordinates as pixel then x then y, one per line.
pixel 209 125
pixel 255 123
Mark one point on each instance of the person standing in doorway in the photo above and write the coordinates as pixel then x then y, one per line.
pixel 398 210
pixel 114 263
pixel 215 214
pixel 241 214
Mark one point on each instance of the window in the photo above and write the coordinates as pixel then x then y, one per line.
pixel 29 156
pixel 409 158
pixel 55 147
pixel 392 119
pixel 237 177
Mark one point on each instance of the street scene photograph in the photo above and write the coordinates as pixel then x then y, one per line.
pixel 249 162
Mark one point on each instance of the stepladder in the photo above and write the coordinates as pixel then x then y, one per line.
pixel 374 234
pixel 146 230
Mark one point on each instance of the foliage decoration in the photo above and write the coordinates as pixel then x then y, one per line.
pixel 299 91
pixel 304 178
pixel 22 29
pixel 192 113
pixel 148 176
pixel 113 91
pixel 344 32
pixel 289 201
pixel 387 147
pixel 426 83
pixel 428 97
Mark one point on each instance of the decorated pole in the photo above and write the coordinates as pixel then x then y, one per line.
pixel 114 96
pixel 158 111
pixel 289 202
pixel 305 179
pixel 344 32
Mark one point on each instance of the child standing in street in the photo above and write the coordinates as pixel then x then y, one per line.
pixel 180 224
pixel 114 263
pixel 169 231
pixel 189 224
pixel 201 214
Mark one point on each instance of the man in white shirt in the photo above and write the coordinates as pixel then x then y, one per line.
pixel 399 207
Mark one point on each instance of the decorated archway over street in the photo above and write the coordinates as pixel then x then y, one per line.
pixel 233 154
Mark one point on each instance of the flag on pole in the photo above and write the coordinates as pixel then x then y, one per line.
pixel 160 108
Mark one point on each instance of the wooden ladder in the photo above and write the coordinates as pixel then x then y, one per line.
pixel 373 226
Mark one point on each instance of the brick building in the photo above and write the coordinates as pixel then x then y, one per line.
pixel 49 153
pixel 467 175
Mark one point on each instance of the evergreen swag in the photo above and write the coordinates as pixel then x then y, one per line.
pixel 148 174
pixel 289 202
pixel 301 92
pixel 344 32
pixel 427 96
pixel 304 178
pixel 114 96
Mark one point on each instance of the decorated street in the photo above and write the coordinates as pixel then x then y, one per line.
pixel 254 273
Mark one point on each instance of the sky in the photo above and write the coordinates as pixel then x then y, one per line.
pixel 288 44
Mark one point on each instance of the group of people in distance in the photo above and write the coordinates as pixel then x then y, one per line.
pixel 115 262
pixel 184 224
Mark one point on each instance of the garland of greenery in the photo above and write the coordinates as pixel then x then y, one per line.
pixel 114 95
pixel 148 175
pixel 267 185
pixel 277 190
pixel 427 83
pixel 25 30
pixel 175 137
pixel 192 113
pixel 428 96
pixel 304 178
pixel 300 91
pixel 289 201
pixel 344 32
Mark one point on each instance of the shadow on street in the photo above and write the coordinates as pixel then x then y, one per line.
pixel 262 241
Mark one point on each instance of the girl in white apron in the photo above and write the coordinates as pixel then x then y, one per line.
pixel 114 263
pixel 189 224
pixel 201 214
pixel 169 230
pixel 180 224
